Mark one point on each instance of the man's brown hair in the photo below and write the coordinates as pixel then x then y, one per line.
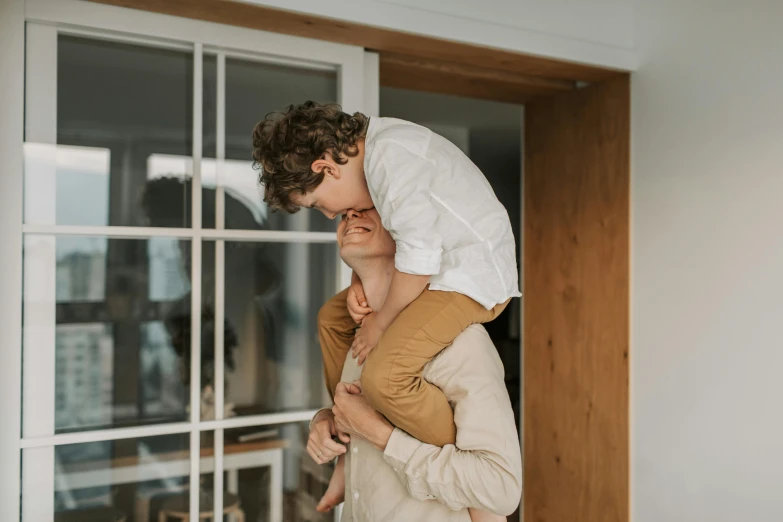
pixel 285 145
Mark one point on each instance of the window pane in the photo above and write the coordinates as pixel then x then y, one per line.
pixel 111 314
pixel 118 106
pixel 209 106
pixel 209 140
pixel 273 294
pixel 112 481
pixel 252 91
pixel 268 474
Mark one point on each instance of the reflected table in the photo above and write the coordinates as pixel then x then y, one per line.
pixel 162 466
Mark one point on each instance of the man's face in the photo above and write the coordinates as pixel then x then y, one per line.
pixel 360 235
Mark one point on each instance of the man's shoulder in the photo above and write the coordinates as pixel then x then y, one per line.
pixel 474 334
pixel 471 352
pixel 474 341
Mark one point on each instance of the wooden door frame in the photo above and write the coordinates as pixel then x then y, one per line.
pixel 577 305
pixel 407 60
pixel 577 195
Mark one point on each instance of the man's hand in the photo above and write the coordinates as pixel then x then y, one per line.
pixel 320 445
pixel 357 301
pixel 353 415
pixel 367 338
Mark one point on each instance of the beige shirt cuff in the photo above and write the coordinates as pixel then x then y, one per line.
pixel 316 415
pixel 399 451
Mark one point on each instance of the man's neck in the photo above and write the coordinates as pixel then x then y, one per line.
pixel 376 275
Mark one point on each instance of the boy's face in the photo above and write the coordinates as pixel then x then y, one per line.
pixel 343 188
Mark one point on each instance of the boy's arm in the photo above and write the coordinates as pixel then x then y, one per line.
pixel 401 183
pixel 403 290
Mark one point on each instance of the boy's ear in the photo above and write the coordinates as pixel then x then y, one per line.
pixel 318 165
pixel 326 166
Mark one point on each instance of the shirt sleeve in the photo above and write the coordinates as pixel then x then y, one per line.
pixel 484 469
pixel 400 183
pixel 316 415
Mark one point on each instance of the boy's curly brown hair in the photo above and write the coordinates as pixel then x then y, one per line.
pixel 286 144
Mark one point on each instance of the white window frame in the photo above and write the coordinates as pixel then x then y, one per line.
pixel 45 20
pixel 11 164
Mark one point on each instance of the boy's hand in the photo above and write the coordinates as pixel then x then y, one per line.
pixel 367 338
pixel 357 301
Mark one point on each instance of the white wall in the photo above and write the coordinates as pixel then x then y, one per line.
pixel 598 32
pixel 707 279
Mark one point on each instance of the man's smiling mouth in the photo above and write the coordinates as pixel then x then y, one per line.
pixel 356 230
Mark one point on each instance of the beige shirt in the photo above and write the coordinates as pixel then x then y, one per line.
pixel 416 482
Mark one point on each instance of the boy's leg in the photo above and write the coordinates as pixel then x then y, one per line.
pixel 392 376
pixel 335 332
pixel 335 493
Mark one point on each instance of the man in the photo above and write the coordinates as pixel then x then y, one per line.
pixel 389 475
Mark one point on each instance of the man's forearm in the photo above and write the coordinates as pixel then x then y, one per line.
pixel 404 289
pixel 379 434
pixel 484 469
pixel 460 479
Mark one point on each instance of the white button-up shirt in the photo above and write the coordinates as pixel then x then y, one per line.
pixel 441 211
pixel 416 482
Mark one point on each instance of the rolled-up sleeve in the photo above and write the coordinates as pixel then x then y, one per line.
pixel 400 182
pixel 411 260
pixel 484 469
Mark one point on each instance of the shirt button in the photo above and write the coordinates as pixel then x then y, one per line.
pixel 356 495
pixel 355 449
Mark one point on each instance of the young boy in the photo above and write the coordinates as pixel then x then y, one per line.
pixel 456 259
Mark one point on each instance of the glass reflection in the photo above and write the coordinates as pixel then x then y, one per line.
pixel 110 305
pixel 117 481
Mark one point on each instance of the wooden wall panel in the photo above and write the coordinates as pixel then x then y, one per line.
pixel 577 177
pixel 423 74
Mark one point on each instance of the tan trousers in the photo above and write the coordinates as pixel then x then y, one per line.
pixel 392 375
